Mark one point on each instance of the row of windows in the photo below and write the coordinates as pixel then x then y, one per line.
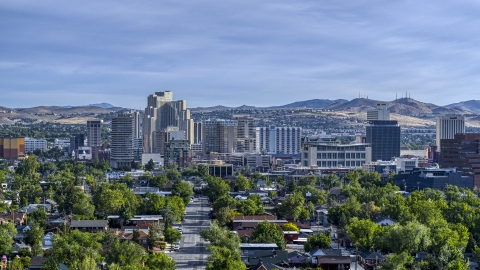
pixel 341 148
pixel 340 155
pixel 340 163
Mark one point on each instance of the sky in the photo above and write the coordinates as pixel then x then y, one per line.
pixel 233 53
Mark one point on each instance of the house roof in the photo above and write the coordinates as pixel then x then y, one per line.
pixel 269 258
pixel 333 260
pixel 88 223
pixel 372 256
pixel 258 217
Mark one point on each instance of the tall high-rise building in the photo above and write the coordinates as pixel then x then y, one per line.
pixel 122 141
pixel 462 152
pixel 76 141
pixel 94 133
pixel 136 124
pixel 220 136
pixel 162 137
pixel 381 113
pixel 245 134
pixel 384 138
pixel 12 147
pixel 278 140
pixel 447 126
pixel 197 133
pixel 162 112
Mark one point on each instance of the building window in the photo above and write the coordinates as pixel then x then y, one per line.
pixel 347 155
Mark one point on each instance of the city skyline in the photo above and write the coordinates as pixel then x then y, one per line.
pixel 217 53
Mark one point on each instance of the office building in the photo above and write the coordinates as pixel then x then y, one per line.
pixel 122 141
pixel 219 136
pixel 462 152
pixel 328 152
pixel 421 178
pixel 384 168
pixel 162 137
pixel 94 133
pixel 177 152
pixel 432 154
pixel 245 134
pixel 197 133
pixel 76 141
pixel 278 140
pixel 447 126
pixel 381 113
pixel 12 147
pixel 162 112
pixel 32 144
pixel 259 161
pixel 384 138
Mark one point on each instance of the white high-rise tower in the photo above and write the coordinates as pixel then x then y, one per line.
pixel 449 125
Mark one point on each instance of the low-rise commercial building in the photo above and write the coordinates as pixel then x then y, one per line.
pixel 328 152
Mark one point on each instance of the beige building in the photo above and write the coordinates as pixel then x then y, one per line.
pixel 163 112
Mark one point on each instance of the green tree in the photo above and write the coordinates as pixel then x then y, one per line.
pixel 183 189
pixel 155 234
pixel 362 232
pixel 242 182
pixel 87 263
pixel 410 237
pixel 290 227
pixel 329 181
pixel 39 217
pixel 153 204
pixel 249 207
pixel 224 258
pixel 224 216
pixel 172 235
pixel 160 261
pixel 225 201
pixel 34 237
pixel 292 206
pixel 216 188
pixel 160 181
pixel 126 254
pixel 307 181
pixel 7 232
pixel 221 237
pixel 150 165
pixel 268 233
pixel 73 247
pixel 320 240
pixel 401 261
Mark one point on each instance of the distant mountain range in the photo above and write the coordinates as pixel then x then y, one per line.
pixel 403 106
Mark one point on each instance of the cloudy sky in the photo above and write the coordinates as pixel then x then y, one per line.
pixel 237 52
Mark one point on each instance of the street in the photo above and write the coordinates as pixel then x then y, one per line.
pixel 193 253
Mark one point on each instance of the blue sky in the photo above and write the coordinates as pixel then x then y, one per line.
pixel 261 53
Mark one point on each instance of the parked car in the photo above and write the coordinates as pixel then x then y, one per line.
pixel 176 248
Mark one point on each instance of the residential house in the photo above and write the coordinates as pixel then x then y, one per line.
pixel 128 237
pixel 372 259
pixel 250 247
pixel 333 262
pixel 47 241
pixel 21 233
pixel 384 221
pixel 89 225
pixel 17 218
pixel 266 260
pixel 290 236
pixel 297 259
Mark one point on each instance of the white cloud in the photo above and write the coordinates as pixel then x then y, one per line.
pixel 233 53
